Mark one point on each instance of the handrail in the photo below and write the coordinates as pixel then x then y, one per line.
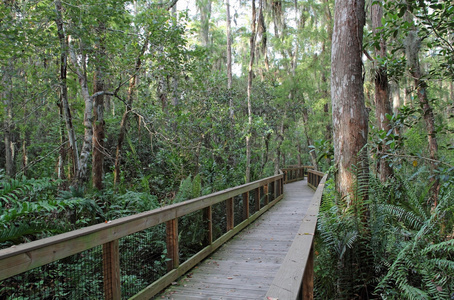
pixel 21 258
pixel 295 278
pixel 24 257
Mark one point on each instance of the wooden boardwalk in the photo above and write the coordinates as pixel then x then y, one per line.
pixel 245 267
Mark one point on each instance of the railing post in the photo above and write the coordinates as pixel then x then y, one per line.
pixel 267 196
pixel 308 277
pixel 172 244
pixel 230 213
pixel 207 215
pixel 257 199
pixel 111 270
pixel 245 205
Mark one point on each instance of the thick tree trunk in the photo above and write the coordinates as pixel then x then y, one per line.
pixel 249 92
pixel 382 103
pixel 204 7
pixel 349 112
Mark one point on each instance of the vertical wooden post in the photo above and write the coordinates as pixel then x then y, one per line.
pixel 267 196
pixel 308 277
pixel 208 217
pixel 111 270
pixel 286 175
pixel 245 205
pixel 257 199
pixel 172 244
pixel 230 214
pixel 282 186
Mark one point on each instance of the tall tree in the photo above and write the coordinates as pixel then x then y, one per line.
pixel 412 47
pixel 382 103
pixel 350 116
pixel 249 91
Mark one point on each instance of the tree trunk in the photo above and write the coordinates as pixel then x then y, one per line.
pixel 8 124
pixel 382 103
pixel 413 43
pixel 349 112
pixel 63 86
pixel 229 61
pixel 204 7
pixel 98 113
pixel 249 92
pixel 124 120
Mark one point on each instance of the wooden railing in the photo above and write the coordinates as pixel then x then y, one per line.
pixel 314 178
pixel 295 278
pixel 295 173
pixel 25 257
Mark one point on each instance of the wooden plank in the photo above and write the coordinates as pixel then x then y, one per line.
pixel 308 277
pixel 111 270
pixel 24 257
pixel 245 267
pixel 172 244
pixel 288 281
pixel 208 217
pixel 171 276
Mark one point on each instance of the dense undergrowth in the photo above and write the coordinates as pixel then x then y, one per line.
pixel 393 246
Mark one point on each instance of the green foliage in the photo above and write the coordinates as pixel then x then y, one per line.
pixel 406 244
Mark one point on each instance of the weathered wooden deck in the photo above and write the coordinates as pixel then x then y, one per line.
pixel 245 267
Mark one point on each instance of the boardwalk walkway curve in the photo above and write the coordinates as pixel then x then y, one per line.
pixel 245 267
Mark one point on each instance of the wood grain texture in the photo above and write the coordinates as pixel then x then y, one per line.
pixel 288 281
pixel 245 267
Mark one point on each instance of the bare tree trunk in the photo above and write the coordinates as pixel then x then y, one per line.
pixel 98 113
pixel 349 112
pixel 413 43
pixel 204 7
pixel 229 61
pixel 249 92
pixel 63 86
pixel 382 104
pixel 124 120
pixel 8 125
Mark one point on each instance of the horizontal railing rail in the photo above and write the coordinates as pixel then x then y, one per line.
pixel 25 257
pixel 295 278
pixel 314 178
pixel 295 173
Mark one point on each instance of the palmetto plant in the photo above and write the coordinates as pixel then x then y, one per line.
pixel 406 244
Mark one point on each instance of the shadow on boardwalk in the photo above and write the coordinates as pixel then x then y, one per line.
pixel 244 268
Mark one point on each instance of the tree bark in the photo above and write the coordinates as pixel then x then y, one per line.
pixel 349 112
pixel 63 86
pixel 413 43
pixel 124 120
pixel 229 61
pixel 382 103
pixel 204 7
pixel 98 112
pixel 249 92
pixel 8 125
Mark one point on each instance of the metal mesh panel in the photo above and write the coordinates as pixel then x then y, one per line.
pixel 252 200
pixel 238 209
pixel 262 197
pixel 142 259
pixel 78 276
pixel 192 233
pixel 219 220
